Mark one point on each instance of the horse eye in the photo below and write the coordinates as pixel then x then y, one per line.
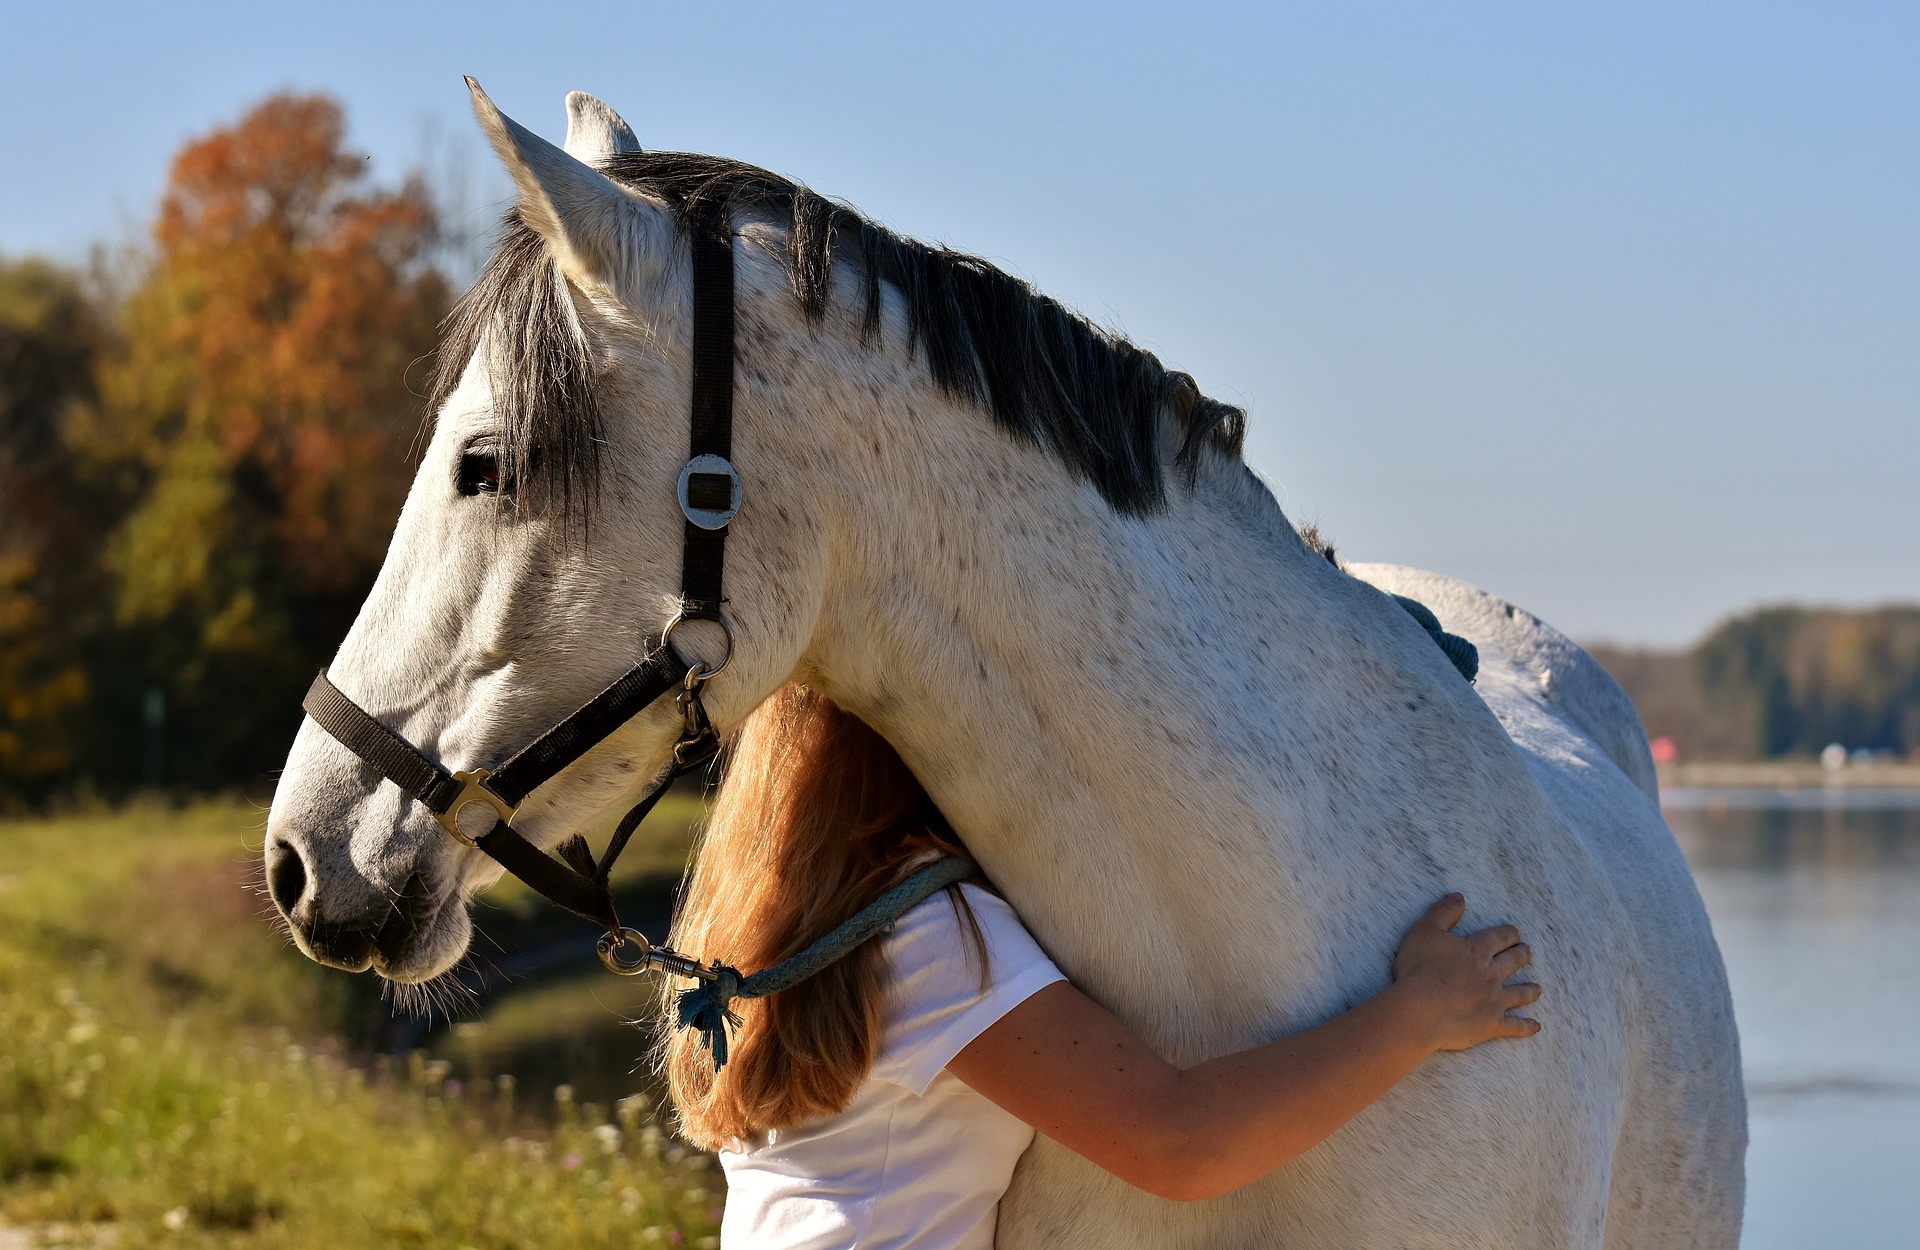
pixel 479 473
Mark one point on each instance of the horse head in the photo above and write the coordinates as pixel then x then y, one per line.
pixel 539 546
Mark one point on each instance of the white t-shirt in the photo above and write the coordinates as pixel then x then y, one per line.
pixel 918 1159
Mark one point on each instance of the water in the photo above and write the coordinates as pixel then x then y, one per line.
pixel 1815 898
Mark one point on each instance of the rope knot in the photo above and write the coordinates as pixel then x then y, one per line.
pixel 707 1009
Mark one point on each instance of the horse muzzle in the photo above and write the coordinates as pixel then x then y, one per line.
pixel 396 933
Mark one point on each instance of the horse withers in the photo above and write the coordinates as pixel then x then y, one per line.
pixel 1216 775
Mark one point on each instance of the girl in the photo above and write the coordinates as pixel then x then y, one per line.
pixel 884 1102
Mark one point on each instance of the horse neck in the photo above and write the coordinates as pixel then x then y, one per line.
pixel 1005 626
pixel 1119 714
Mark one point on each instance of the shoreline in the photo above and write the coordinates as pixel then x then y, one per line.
pixel 1789 775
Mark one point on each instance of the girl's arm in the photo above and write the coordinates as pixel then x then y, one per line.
pixel 1071 1069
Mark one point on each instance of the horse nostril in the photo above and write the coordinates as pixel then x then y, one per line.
pixel 286 876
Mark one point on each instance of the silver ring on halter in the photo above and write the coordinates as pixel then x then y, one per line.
pixel 711 671
pixel 613 942
pixel 712 471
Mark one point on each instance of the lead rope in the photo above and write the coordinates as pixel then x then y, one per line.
pixel 707 1007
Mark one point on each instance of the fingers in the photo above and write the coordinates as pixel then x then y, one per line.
pixel 1520 995
pixel 1490 942
pixel 1510 960
pixel 1518 1026
pixel 1446 913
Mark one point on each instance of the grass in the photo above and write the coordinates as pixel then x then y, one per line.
pixel 173 1073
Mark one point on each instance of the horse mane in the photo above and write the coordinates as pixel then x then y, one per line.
pixel 1044 373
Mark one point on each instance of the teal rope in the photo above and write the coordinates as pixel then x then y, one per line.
pixel 1465 656
pixel 707 1006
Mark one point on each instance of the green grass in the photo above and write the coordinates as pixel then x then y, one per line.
pixel 171 1068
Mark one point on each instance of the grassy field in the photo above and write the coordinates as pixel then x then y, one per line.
pixel 173 1073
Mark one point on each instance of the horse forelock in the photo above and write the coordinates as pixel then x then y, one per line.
pixel 1042 372
pixel 520 316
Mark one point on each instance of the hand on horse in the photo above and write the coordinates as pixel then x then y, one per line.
pixel 1462 980
pixel 1075 1072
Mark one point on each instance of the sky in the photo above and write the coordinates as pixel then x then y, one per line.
pixel 1612 309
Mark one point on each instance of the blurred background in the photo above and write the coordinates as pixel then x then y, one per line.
pixel 1607 309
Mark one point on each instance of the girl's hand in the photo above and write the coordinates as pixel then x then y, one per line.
pixel 1462 980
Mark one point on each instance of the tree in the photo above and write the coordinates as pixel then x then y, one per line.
pixel 1783 681
pixel 49 341
pixel 254 421
pixel 1822 675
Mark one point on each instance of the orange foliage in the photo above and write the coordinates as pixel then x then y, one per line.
pixel 262 385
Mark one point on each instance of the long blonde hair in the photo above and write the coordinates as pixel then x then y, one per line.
pixel 816 817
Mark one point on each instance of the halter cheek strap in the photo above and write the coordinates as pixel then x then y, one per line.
pixel 710 494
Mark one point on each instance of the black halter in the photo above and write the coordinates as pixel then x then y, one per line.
pixel 710 493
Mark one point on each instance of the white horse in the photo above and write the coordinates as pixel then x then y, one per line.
pixel 1216 774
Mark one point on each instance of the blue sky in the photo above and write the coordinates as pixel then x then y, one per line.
pixel 1613 309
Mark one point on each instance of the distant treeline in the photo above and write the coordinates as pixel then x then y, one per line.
pixel 203 447
pixel 1783 681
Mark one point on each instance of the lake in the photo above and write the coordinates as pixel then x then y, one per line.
pixel 1815 898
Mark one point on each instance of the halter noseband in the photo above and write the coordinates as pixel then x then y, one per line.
pixel 710 493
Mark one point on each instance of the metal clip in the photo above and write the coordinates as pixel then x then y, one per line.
pixel 613 940
pixel 664 958
pixel 698 739
pixel 473 789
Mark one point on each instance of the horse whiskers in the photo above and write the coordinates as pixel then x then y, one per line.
pixel 480 932
pixel 280 925
pixel 407 998
pixel 445 994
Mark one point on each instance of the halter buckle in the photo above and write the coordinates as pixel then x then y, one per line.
pixel 473 789
pixel 710 491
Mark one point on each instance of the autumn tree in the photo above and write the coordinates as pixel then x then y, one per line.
pixel 254 422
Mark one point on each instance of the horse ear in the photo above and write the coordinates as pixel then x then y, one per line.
pixel 585 217
pixel 595 132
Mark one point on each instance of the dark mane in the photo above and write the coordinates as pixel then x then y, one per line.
pixel 1044 373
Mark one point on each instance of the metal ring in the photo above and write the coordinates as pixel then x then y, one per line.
pixel 709 466
pixel 680 618
pixel 612 942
